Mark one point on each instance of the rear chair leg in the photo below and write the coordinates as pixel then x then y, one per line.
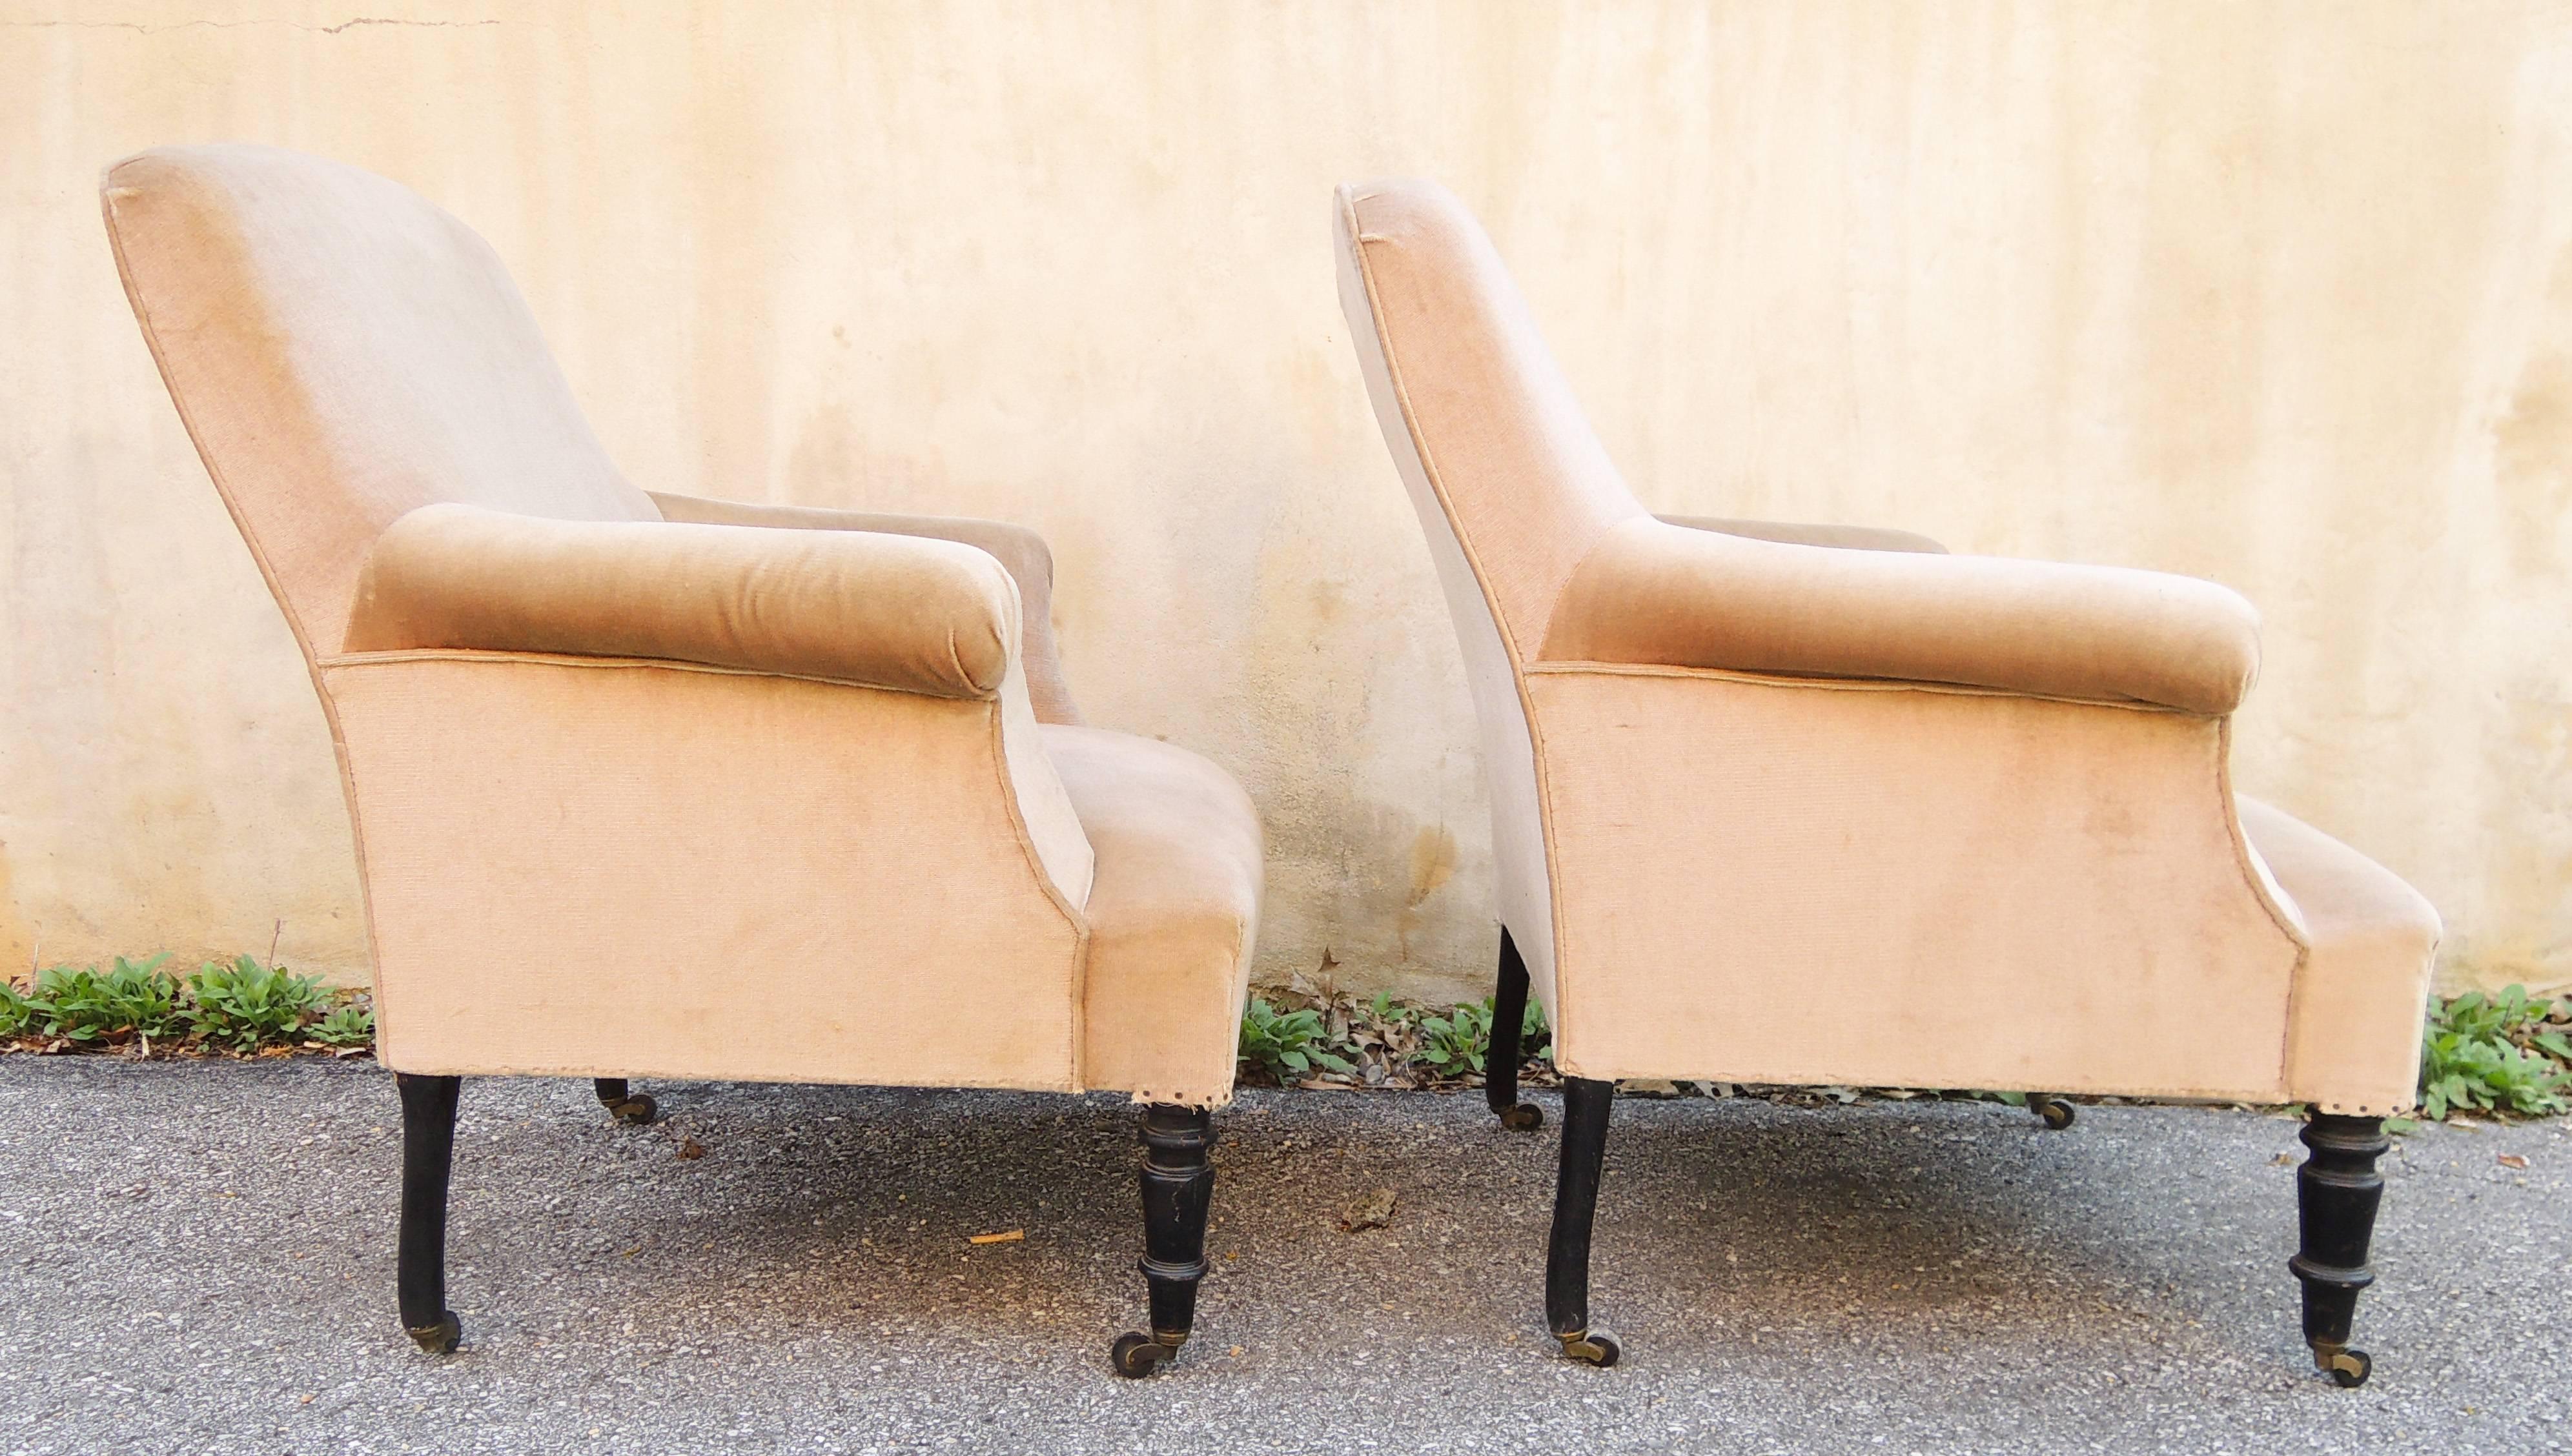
pixel 429 1155
pixel 1178 1184
pixel 631 1107
pixel 1501 1066
pixel 1575 1199
pixel 2336 1193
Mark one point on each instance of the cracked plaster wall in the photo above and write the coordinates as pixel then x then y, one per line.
pixel 2278 294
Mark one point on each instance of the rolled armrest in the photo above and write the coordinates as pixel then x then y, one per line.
pixel 1024 552
pixel 896 611
pixel 1847 538
pixel 1654 592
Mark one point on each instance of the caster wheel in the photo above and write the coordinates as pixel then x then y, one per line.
pixel 1527 1117
pixel 634 1111
pixel 1136 1356
pixel 2056 1113
pixel 2348 1369
pixel 439 1338
pixel 1593 1346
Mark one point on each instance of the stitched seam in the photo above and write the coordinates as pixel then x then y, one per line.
pixel 574 660
pixel 1491 604
pixel 1854 684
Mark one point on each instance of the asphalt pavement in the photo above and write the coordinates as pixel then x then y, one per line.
pixel 197 1257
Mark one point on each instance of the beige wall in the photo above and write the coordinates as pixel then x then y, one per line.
pixel 2279 294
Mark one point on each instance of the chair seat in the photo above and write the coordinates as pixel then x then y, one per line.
pixel 1172 913
pixel 2358 1000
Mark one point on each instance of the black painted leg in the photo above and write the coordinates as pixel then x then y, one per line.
pixel 429 1153
pixel 631 1107
pixel 1501 1066
pixel 1575 1199
pixel 2336 1193
pixel 1178 1184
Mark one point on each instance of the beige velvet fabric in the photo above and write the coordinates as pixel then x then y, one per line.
pixel 1024 552
pixel 600 867
pixel 1767 807
pixel 884 610
pixel 1653 593
pixel 1173 914
pixel 1846 538
pixel 624 784
pixel 2357 1028
pixel 343 352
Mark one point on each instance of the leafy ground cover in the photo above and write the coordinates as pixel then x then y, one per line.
pixel 2505 1055
pixel 237 1007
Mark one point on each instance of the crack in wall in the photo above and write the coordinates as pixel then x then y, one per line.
pixel 141 29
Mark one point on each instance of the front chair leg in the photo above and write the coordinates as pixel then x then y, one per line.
pixel 631 1107
pixel 1178 1184
pixel 1575 1199
pixel 1501 1066
pixel 429 1153
pixel 2336 1193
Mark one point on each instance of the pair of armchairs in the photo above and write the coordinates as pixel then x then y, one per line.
pixel 614 758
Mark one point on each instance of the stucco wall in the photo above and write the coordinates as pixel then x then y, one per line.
pixel 2277 294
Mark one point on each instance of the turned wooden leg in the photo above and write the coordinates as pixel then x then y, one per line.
pixel 1575 1199
pixel 632 1108
pixel 429 1153
pixel 2336 1193
pixel 1501 1066
pixel 1178 1185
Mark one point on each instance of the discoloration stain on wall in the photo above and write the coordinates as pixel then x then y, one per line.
pixel 2273 295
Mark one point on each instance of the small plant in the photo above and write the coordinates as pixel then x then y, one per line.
pixel 2499 1054
pixel 16 1011
pixel 83 1005
pixel 1287 1045
pixel 1456 1044
pixel 352 1025
pixel 246 1003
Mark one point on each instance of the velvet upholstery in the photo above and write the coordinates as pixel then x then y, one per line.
pixel 1825 804
pixel 628 776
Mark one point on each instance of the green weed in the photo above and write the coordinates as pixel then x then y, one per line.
pixel 244 1003
pixel 2501 1053
pixel 1287 1045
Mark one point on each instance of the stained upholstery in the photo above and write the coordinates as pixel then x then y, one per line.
pixel 1800 804
pixel 624 775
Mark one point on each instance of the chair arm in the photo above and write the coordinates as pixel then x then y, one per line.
pixel 1654 592
pixel 1847 538
pixel 893 611
pixel 1022 551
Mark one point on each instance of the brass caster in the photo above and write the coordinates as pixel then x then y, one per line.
pixel 634 1109
pixel 1136 1356
pixel 438 1338
pixel 2055 1111
pixel 2347 1368
pixel 1525 1117
pixel 1592 1347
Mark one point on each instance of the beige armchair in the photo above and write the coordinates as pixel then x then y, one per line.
pixel 1745 776
pixel 619 764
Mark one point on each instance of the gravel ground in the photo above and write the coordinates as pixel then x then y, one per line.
pixel 198 1258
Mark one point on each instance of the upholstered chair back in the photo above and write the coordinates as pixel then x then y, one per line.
pixel 1469 389
pixel 1512 486
pixel 395 365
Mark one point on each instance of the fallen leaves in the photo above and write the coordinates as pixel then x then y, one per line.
pixel 2512 1160
pixel 690 1147
pixel 1375 1210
